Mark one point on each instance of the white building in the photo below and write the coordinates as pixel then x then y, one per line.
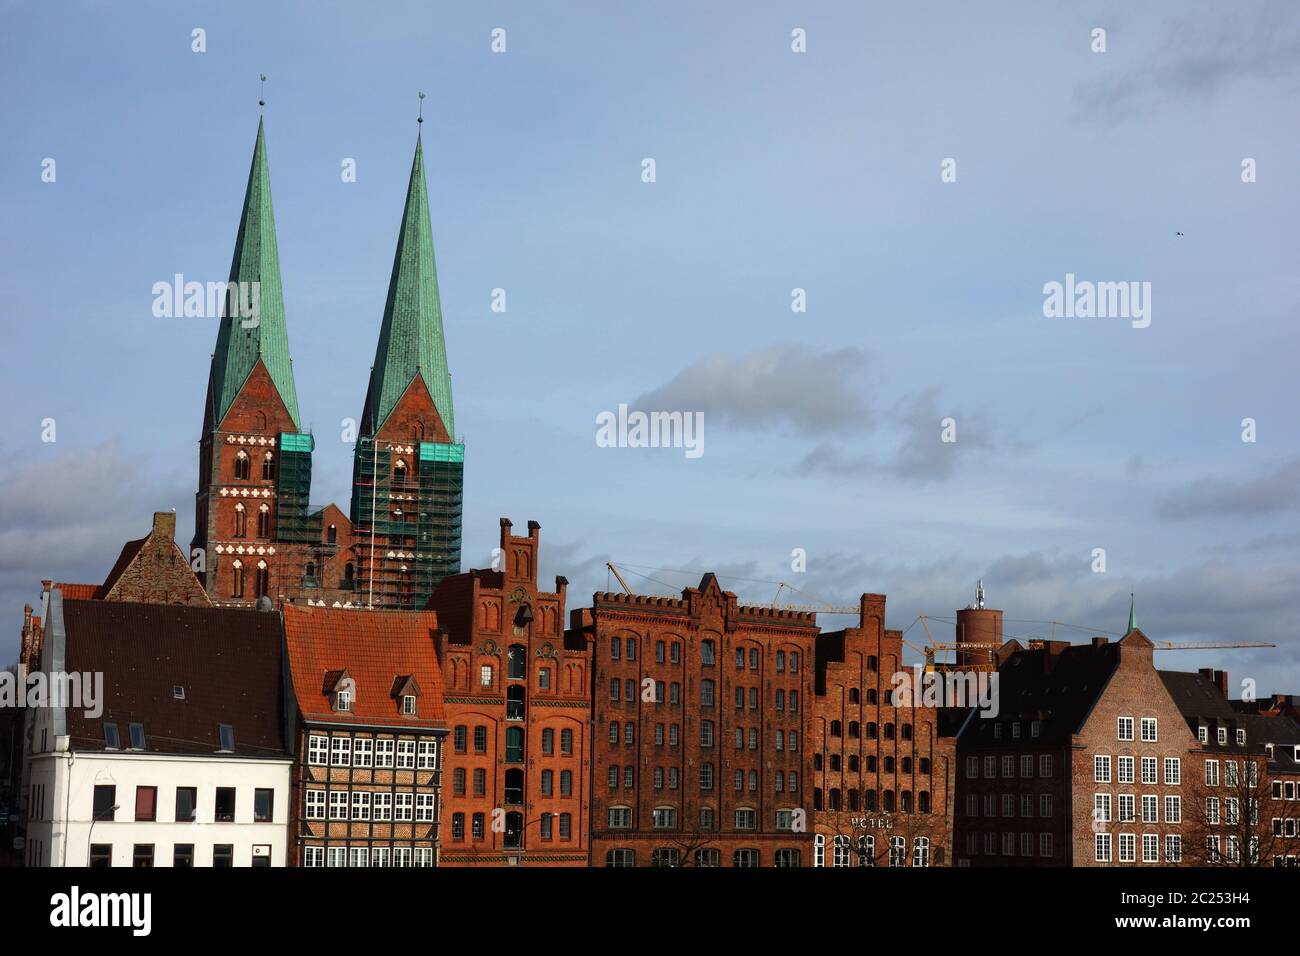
pixel 180 762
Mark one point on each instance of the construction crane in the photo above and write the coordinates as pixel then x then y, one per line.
pixel 614 571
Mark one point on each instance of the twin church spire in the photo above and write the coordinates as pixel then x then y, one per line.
pixel 411 344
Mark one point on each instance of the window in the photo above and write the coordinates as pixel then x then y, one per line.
pixel 263 805
pixel 1124 766
pixel 341 751
pixel 485 675
pixel 514 745
pixel 136 732
pixel 621 857
pixel 1173 809
pixel 517 662
pixel 1211 773
pixel 921 850
pixel 384 749
pixel 480 739
pixel 665 818
pixel 112 740
pixel 1045 765
pixel 1173 848
pixel 183 855
pixel 1148 769
pixel 787 857
pixel 142 856
pixel 408 705
pixel 1101 768
pixel 361 804
pixel 105 806
pixel 1125 728
pixel 146 803
pixel 1149 730
pixel 898 849
pixel 225 810
pixel 746 819
pixel 1173 771
pixel 459 738
pixel 226 734
pixel 746 858
pixel 223 855
pixel 1150 808
pixel 615 648
pixel 314 807
pixel 187 800
pixel 1127 848
pixel 101 855
pixel 1102 846
pixel 620 818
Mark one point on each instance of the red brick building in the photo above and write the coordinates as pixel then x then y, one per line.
pixel 701 711
pixel 519 705
pixel 366 724
pixel 1087 762
pixel 882 775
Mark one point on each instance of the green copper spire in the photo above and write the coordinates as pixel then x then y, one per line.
pixel 410 339
pixel 243 340
pixel 1132 615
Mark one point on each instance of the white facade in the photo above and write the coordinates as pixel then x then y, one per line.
pixel 61 826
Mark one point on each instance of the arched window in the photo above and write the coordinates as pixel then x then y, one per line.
pixel 241 466
pixel 905 801
pixel 835 728
pixel 566 741
pixel 264 521
pixel 835 799
pixel 515 702
pixel 889 731
pixel 241 520
pixel 268 467
pixel 708 652
pixel 840 854
pixel 853 800
pixel 399 472
pixel 237 579
pixel 517 662
pixel 332 535
pixel 853 695
pixel 871 763
pixel 872 696
pixel 819 849
pixel 854 730
pixel 921 851
pixel 866 850
pixel 869 800
pixel 907 731
pixel 514 745
pixel 871 730
pixel 887 802
pixel 897 851
pixel 889 765
pixel 923 801
pixel 349 572
pixel 853 763
pixel 566 783
pixel 817 761
pixel 907 764
pixel 263 579
pixel 548 738
pixel 835 763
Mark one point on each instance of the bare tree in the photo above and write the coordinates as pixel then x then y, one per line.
pixel 1233 806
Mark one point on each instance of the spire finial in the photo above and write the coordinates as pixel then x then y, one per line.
pixel 1132 612
pixel 420 118
pixel 261 94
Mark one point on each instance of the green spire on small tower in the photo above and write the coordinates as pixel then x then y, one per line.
pixel 411 337
pixel 1132 615
pixel 241 342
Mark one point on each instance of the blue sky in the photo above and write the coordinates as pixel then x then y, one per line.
pixel 775 170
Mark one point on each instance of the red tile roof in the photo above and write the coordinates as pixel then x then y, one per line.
pixel 78 592
pixel 227 660
pixel 375 648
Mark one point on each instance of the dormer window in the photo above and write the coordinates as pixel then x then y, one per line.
pixel 226 734
pixel 408 705
pixel 1241 737
pixel 178 692
pixel 112 741
pixel 1203 734
pixel 343 700
pixel 1223 735
pixel 136 732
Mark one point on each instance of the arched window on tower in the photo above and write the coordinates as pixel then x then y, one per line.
pixel 264 521
pixel 399 472
pixel 237 579
pixel 517 662
pixel 241 466
pixel 241 520
pixel 268 467
pixel 263 579
pixel 515 702
pixel 332 536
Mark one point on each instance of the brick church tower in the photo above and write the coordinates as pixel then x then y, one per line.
pixel 251 511
pixel 408 467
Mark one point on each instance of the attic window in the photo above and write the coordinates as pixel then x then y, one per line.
pixel 112 740
pixel 408 705
pixel 1241 737
pixel 178 692
pixel 136 732
pixel 343 700
pixel 226 734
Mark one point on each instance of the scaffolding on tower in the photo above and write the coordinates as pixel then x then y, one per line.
pixel 406 519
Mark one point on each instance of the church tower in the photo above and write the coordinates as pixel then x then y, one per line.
pixel 254 459
pixel 408 467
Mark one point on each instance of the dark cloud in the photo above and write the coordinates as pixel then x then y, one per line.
pixel 815 392
pixel 67 515
pixel 1199 58
pixel 1276 491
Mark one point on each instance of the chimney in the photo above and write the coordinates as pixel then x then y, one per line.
pixel 164 525
pixel 1221 681
pixel 1099 642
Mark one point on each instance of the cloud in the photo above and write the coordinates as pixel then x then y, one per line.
pixel 815 392
pixel 1279 490
pixel 67 515
pixel 1195 64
